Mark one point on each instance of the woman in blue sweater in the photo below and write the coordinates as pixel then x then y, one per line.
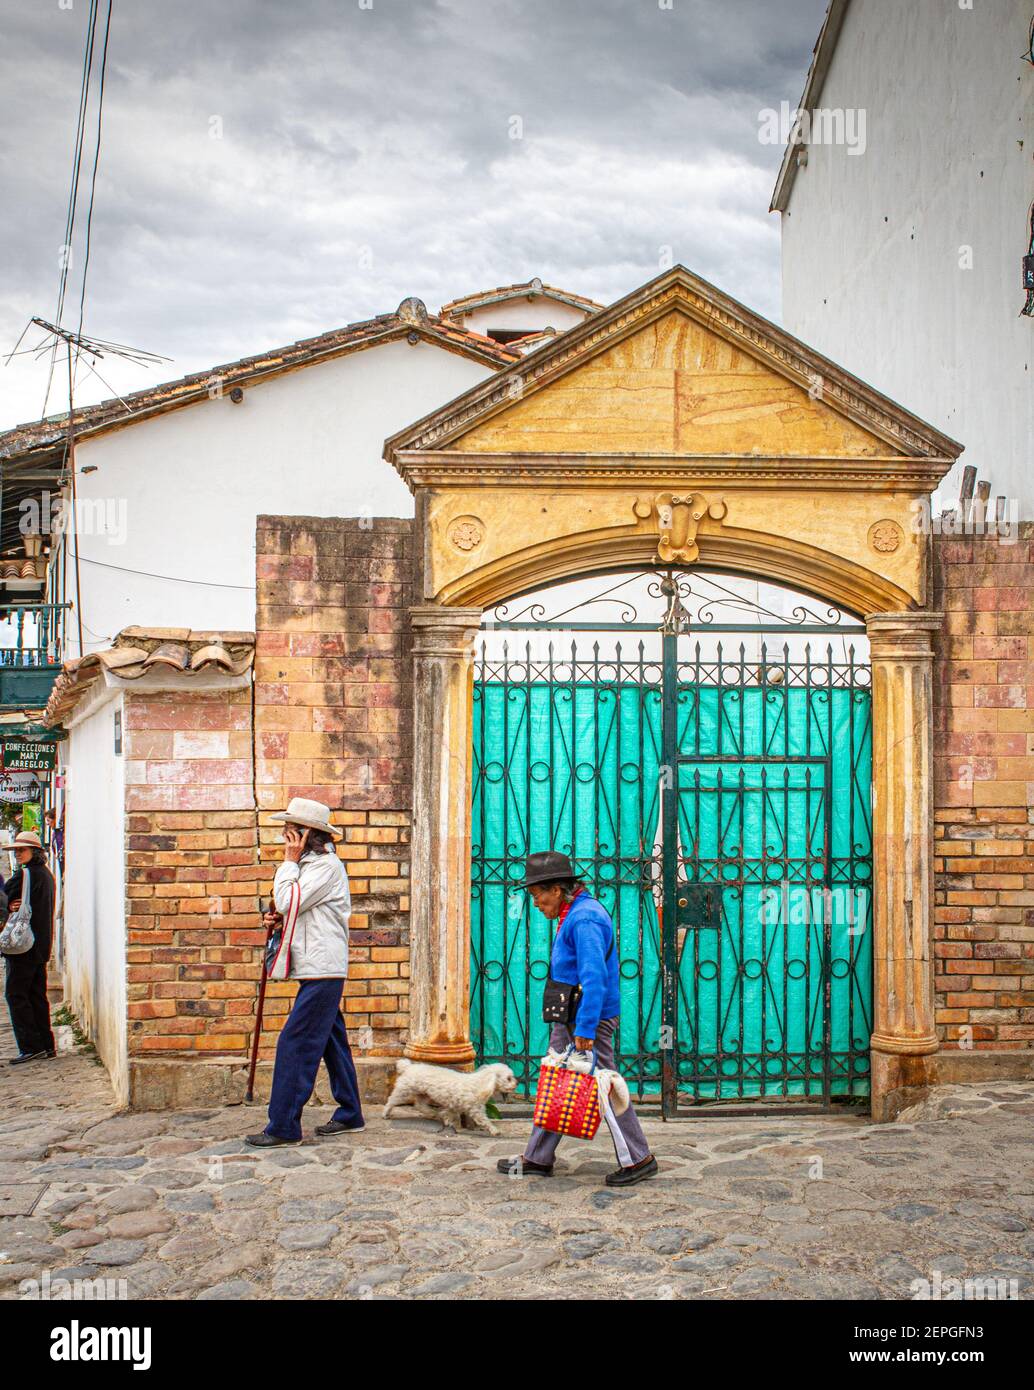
pixel 585 955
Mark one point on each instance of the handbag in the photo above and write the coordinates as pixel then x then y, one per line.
pixel 560 1001
pixel 17 936
pixel 568 1102
pixel 278 947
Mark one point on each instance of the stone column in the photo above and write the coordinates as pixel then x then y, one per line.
pixel 904 1036
pixel 443 675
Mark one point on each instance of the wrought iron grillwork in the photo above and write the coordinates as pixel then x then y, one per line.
pixel 667 775
pixel 697 600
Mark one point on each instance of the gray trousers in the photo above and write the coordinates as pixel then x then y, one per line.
pixel 627 1133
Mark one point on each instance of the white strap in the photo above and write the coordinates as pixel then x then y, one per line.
pixel 280 971
pixel 620 1142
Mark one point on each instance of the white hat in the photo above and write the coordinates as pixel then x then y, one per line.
pixel 301 811
pixel 27 839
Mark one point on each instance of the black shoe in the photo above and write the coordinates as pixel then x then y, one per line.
pixel 509 1166
pixel 25 1057
pixel 336 1127
pixel 51 1052
pixel 267 1141
pixel 625 1177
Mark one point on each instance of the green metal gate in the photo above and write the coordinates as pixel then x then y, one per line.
pixel 719 805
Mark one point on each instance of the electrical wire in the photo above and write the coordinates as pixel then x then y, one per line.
pixel 172 578
pixel 77 155
pixel 73 193
pixel 96 161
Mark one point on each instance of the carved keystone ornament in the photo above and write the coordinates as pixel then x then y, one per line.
pixel 678 519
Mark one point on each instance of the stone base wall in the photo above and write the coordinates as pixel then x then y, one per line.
pixel 333 720
pixel 984 794
pixel 329 716
pixel 192 923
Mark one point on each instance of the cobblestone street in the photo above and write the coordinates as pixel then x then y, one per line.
pixel 177 1206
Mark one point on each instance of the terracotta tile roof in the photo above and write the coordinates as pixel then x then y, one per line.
pixel 411 317
pixel 137 650
pixel 501 293
pixel 24 567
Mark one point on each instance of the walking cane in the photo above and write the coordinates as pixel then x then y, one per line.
pixel 249 1094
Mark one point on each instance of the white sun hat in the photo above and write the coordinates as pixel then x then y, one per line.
pixel 301 811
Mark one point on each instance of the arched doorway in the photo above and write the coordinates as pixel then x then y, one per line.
pixel 677 428
pixel 700 745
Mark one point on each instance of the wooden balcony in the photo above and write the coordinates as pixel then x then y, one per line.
pixel 30 653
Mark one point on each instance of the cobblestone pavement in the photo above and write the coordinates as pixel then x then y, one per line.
pixel 751 1207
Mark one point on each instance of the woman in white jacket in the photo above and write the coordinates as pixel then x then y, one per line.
pixel 310 890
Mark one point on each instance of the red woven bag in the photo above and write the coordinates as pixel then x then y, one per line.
pixel 568 1102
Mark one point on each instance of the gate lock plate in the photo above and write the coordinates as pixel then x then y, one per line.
pixel 698 905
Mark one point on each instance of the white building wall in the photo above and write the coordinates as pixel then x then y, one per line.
pixel 531 315
pixel 95 884
pixel 874 243
pixel 183 489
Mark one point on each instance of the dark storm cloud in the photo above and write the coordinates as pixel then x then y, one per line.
pixel 272 170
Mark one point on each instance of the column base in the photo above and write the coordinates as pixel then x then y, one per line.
pixel 899 1079
pixel 442 1054
pixel 897 1046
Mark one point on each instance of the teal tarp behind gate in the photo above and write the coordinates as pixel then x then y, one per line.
pixel 773 791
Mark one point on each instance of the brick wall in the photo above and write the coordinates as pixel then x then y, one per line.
pixel 333 716
pixel 984 791
pixel 191 871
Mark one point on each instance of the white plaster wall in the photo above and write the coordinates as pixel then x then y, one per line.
pixel 533 315
pixel 872 242
pixel 95 886
pixel 184 489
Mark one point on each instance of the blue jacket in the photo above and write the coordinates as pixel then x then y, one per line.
pixel 579 958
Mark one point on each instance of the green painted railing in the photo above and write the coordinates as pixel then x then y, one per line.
pixel 36 629
pixel 31 654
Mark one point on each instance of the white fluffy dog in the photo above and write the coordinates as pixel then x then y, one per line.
pixel 439 1093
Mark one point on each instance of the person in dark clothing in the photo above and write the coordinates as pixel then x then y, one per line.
pixel 26 990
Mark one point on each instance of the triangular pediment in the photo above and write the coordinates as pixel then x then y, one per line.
pixel 671 387
pixel 675 369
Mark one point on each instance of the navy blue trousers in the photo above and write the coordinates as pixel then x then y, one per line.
pixel 314 1031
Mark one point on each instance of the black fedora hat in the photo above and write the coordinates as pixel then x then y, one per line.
pixel 547 867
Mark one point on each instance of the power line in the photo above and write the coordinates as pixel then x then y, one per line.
pixel 73 192
pixel 172 578
pixel 96 161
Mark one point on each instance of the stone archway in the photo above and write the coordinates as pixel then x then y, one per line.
pixel 677 427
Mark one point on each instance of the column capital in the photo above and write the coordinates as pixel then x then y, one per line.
pixel 906 634
pixel 442 631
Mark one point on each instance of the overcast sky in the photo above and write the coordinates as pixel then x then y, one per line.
pixel 271 170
